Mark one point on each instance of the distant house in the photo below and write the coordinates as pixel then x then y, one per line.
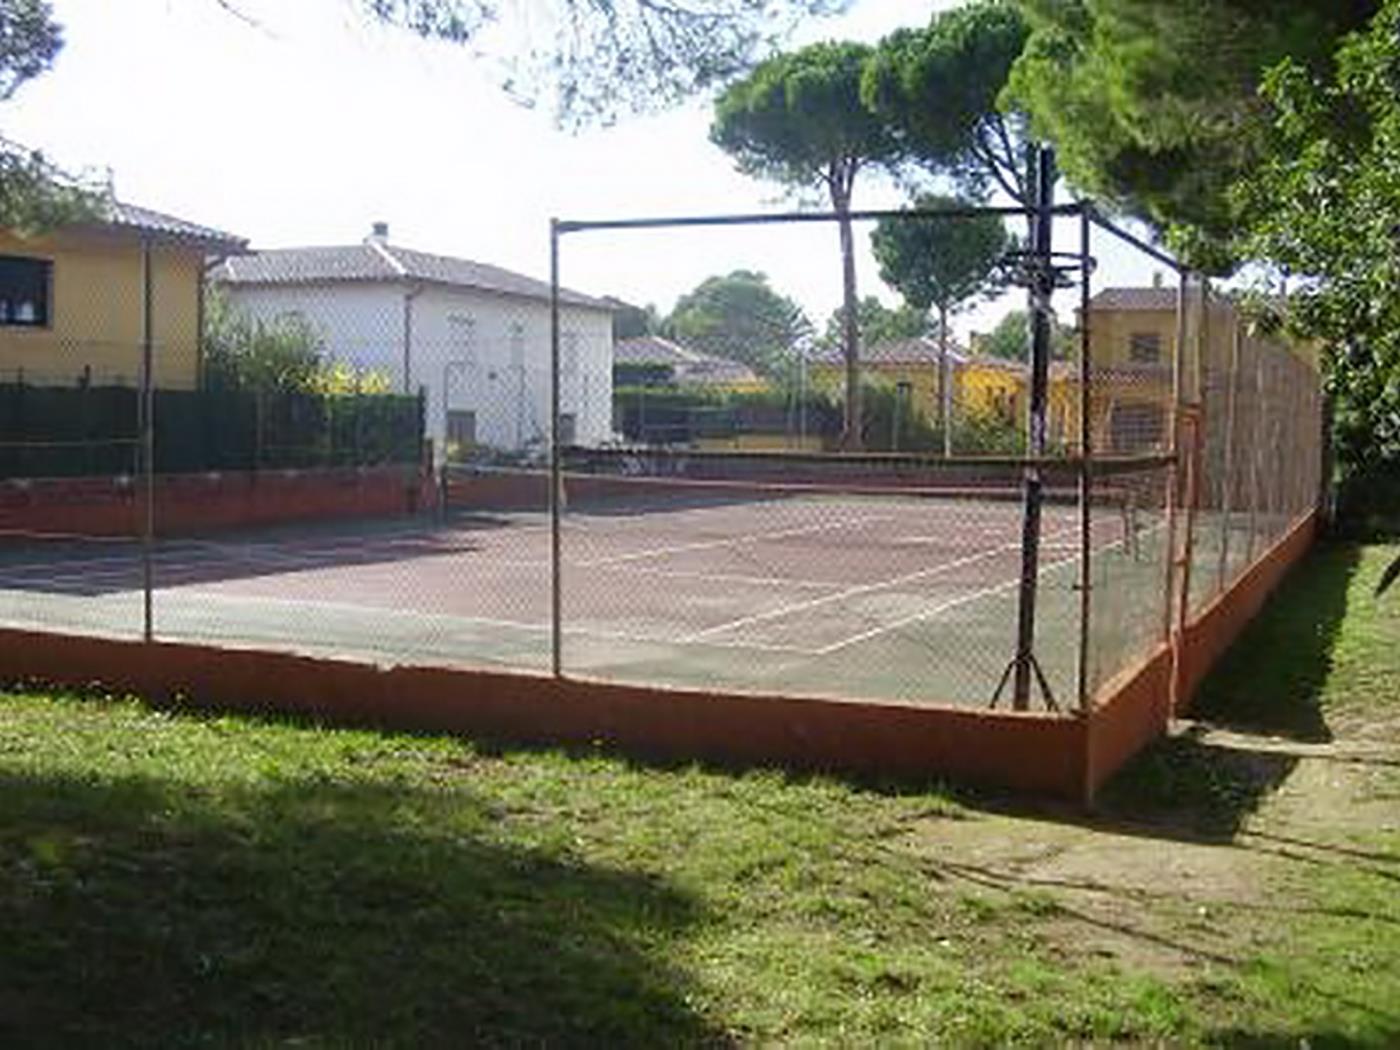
pixel 911 363
pixel 993 386
pixel 651 360
pixel 73 305
pixel 474 337
pixel 1132 332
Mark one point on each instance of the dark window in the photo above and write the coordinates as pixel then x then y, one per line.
pixel 461 427
pixel 1137 426
pixel 24 291
pixel 568 427
pixel 1145 348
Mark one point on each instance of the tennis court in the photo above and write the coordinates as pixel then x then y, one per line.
pixel 834 591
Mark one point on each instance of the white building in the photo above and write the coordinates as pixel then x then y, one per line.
pixel 473 337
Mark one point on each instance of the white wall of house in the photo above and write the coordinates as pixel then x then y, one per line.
pixel 483 359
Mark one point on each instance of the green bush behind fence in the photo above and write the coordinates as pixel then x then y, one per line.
pixel 79 431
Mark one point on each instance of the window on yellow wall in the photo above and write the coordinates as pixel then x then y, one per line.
pixel 24 291
pixel 1145 348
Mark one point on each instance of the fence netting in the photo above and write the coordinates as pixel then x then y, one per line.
pixel 466 467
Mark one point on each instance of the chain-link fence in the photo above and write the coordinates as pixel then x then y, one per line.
pixel 378 453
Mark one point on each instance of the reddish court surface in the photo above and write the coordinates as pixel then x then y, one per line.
pixel 850 597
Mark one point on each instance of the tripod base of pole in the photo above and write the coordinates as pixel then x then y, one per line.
pixel 1047 695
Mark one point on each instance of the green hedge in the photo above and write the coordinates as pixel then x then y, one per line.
pixel 77 431
pixel 680 416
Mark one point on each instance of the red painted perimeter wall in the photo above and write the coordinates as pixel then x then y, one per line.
pixel 1027 752
pixel 198 502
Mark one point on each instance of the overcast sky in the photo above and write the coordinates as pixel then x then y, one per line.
pixel 310 127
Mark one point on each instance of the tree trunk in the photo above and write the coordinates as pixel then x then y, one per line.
pixel 851 438
pixel 945 387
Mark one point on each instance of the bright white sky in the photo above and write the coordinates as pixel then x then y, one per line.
pixel 310 128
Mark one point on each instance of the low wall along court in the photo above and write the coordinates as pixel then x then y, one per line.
pixel 185 503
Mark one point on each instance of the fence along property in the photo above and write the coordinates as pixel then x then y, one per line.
pixel 861 610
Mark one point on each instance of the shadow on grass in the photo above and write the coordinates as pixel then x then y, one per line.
pixel 1270 684
pixel 1271 680
pixel 139 914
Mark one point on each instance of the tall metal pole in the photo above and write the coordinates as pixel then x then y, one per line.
pixel 1227 494
pixel 1041 286
pixel 556 476
pixel 1086 523
pixel 1175 472
pixel 148 444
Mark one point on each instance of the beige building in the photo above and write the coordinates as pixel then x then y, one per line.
pixel 73 307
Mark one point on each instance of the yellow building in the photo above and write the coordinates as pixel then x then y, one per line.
pixel 987 386
pixel 910 364
pixel 1132 335
pixel 72 302
pixel 993 386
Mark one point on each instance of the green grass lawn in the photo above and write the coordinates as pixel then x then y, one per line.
pixel 170 879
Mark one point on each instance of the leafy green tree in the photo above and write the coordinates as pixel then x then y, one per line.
pixel 34 196
pixel 941 264
pixel 739 316
pixel 939 87
pixel 1010 340
pixel 798 119
pixel 631 322
pixel 1325 207
pixel 1153 105
pixel 878 323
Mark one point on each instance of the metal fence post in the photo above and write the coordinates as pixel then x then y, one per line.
pixel 1191 488
pixel 556 621
pixel 1227 492
pixel 1175 471
pixel 1086 523
pixel 148 444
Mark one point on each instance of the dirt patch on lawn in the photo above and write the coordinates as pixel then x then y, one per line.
pixel 1174 884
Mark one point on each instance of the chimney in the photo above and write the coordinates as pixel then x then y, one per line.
pixel 378 234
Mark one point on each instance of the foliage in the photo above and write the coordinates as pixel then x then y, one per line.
pixel 1153 105
pixel 941 263
pixel 939 88
pixel 592 60
pixel 29 42
pixel 1325 206
pixel 877 322
pixel 631 322
pixel 286 353
pixel 86 430
pixel 987 433
pixel 34 196
pixel 799 119
pixel 1011 339
pixel 739 316
pixel 681 415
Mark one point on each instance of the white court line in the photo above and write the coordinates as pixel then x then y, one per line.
pixel 449 618
pixel 952 603
pixel 679 574
pixel 753 537
pixel 863 588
